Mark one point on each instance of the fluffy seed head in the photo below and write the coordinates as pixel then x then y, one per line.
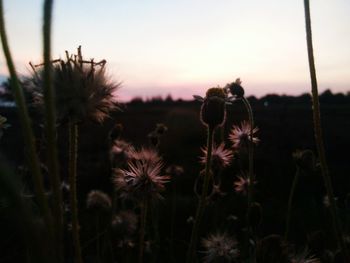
pixel 220 248
pixel 98 201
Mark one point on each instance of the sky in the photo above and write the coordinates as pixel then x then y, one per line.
pixel 184 47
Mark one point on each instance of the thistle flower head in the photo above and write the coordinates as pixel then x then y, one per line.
pixel 220 248
pixel 82 88
pixel 98 201
pixel 142 178
pixel 241 184
pixel 220 157
pixel 240 136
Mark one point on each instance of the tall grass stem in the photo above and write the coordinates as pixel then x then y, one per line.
pixel 318 132
pixel 27 131
pixel 50 129
pixel 144 208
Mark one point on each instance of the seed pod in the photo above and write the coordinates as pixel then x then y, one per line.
pixel 213 111
pixel 236 89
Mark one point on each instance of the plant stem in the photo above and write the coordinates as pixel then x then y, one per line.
pixel 97 217
pixel 28 134
pixel 318 132
pixel 50 128
pixel 144 207
pixel 250 153
pixel 73 155
pixel 290 201
pixel 250 171
pixel 202 201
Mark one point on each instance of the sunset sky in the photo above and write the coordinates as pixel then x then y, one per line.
pixel 183 47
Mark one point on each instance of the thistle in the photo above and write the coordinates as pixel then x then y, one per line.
pixel 241 136
pixel 221 157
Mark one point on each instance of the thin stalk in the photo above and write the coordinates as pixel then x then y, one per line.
pixel 97 217
pixel 250 153
pixel 250 171
pixel 73 155
pixel 202 201
pixel 318 132
pixel 144 207
pixel 50 129
pixel 290 201
pixel 26 124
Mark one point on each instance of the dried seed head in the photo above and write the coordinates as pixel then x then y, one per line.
pixel 242 183
pixel 240 136
pixel 220 157
pixel 213 110
pixel 98 201
pixel 121 152
pixel 220 248
pixel 142 179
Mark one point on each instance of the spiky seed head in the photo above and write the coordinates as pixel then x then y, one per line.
pixel 220 248
pixel 98 201
pixel 220 157
pixel 240 136
pixel 142 178
pixel 241 184
pixel 82 89
pixel 213 110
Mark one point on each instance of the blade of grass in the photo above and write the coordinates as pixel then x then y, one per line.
pixel 318 132
pixel 50 128
pixel 27 131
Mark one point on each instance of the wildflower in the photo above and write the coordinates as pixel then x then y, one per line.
pixel 213 111
pixel 220 247
pixel 241 185
pixel 146 155
pixel 240 136
pixel 141 180
pixel 235 88
pixel 220 157
pixel 82 88
pixel 98 201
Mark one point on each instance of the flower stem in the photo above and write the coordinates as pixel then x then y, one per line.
pixel 290 201
pixel 250 171
pixel 318 133
pixel 144 207
pixel 28 134
pixel 73 155
pixel 202 201
pixel 50 115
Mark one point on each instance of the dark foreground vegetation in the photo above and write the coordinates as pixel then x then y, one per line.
pixel 285 125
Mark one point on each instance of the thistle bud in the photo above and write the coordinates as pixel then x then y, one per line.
pixel 213 112
pixel 236 89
